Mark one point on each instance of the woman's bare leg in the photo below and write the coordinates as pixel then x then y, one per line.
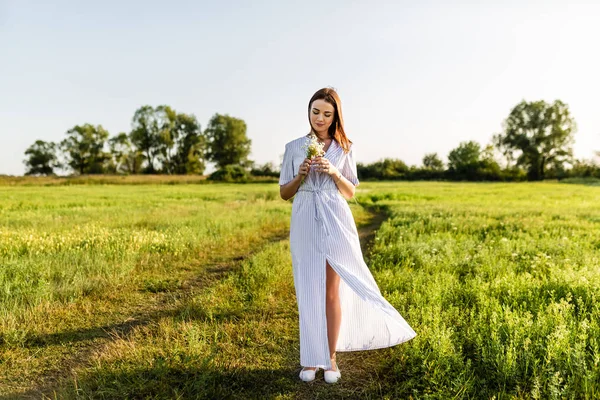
pixel 333 310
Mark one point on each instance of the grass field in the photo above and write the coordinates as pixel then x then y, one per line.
pixel 185 291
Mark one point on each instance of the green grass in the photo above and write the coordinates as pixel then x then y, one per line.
pixel 77 258
pixel 500 282
pixel 6 180
pixel 583 181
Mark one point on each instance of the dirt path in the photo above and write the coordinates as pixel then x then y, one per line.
pixel 357 367
pixel 84 343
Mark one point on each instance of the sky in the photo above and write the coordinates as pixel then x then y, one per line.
pixel 414 77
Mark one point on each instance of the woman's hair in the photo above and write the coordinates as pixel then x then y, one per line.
pixel 336 130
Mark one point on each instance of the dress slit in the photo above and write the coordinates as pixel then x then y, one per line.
pixel 323 231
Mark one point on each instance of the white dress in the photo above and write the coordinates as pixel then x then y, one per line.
pixel 322 228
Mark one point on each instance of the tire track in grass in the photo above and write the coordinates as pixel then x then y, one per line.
pixel 84 343
pixel 358 368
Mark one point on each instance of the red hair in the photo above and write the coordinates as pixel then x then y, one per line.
pixel 336 130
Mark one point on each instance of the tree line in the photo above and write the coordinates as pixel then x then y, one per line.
pixel 161 141
pixel 535 143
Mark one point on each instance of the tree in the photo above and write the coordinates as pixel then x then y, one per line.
pixel 584 169
pixel 166 143
pixel 267 169
pixel 465 157
pixel 182 145
pixel 468 161
pixel 125 158
pixel 84 148
pixel 538 136
pixel 171 142
pixel 387 168
pixel 42 158
pixel 489 169
pixel 432 161
pixel 145 135
pixel 230 173
pixel 227 143
pixel 505 150
pixel 191 146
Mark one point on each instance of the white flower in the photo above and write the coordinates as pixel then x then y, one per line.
pixel 313 147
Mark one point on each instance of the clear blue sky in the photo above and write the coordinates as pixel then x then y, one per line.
pixel 414 77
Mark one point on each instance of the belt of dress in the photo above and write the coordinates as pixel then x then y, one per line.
pixel 319 210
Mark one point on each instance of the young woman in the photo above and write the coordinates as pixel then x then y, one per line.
pixel 346 314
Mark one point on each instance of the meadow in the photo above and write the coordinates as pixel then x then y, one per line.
pixel 185 291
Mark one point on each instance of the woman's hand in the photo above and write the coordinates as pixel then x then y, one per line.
pixel 323 165
pixel 304 167
pixel 288 190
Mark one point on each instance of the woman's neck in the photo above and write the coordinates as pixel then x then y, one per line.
pixel 322 136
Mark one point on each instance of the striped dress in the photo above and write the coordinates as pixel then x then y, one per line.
pixel 322 228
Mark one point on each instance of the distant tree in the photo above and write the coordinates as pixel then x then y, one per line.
pixel 41 158
pixel 432 161
pixel 505 150
pixel 468 161
pixel 186 145
pixel 84 148
pixel 125 158
pixel 267 169
pixel 489 169
pixel 538 136
pixel 583 169
pixel 230 173
pixel 166 144
pixel 227 143
pixel 146 135
pixel 171 142
pixel 388 168
pixel 465 157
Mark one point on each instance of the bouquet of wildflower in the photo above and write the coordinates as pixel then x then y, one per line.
pixel 313 147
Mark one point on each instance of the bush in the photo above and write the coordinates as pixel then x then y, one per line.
pixel 583 169
pixel 388 169
pixel 425 174
pixel 230 173
pixel 514 174
pixel 590 181
pixel 267 169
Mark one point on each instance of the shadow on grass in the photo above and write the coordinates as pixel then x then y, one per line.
pixel 161 381
pixel 209 275
pixel 97 332
pixel 196 379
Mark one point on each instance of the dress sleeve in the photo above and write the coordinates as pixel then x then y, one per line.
pixel 287 169
pixel 349 168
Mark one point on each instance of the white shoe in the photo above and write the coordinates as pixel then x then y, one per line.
pixel 332 376
pixel 308 375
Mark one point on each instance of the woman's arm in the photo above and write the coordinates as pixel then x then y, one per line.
pixel 346 187
pixel 288 190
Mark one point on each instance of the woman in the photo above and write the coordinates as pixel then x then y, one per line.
pixel 335 314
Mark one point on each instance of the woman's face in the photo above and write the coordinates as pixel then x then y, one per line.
pixel 321 116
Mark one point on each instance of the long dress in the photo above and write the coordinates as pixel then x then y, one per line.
pixel 322 228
